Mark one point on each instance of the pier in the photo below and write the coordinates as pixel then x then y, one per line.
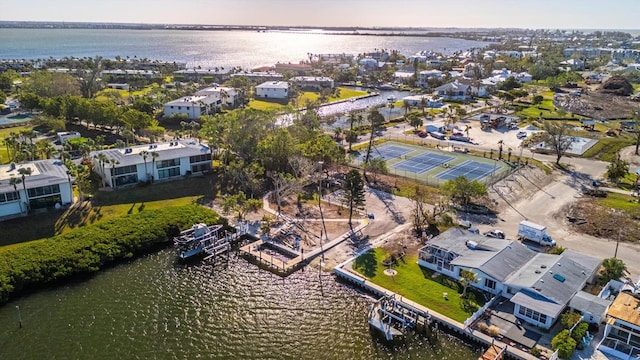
pixel 393 317
pixel 494 352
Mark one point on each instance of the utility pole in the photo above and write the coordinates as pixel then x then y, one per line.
pixel 615 255
pixel 19 316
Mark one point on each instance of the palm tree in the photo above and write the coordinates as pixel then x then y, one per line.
pixel 612 269
pixel 154 156
pixel 113 163
pixel 500 143
pixel 423 104
pixel 25 172
pixel 102 160
pixel 466 130
pixel 407 106
pixel 14 182
pixel 145 154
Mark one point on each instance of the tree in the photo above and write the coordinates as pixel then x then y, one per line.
pixel 145 154
pixel 415 121
pixel 407 106
pixel 377 166
pixel 612 269
pixel 467 277
pixel 49 84
pixel 25 172
pixel 375 120
pixel 564 343
pixel 351 136
pixel 557 136
pixel 14 182
pixel 154 156
pixel 353 194
pixel 463 190
pixel 240 204
pixel 636 129
pixel 537 99
pixel 617 169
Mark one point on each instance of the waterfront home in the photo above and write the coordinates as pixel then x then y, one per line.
pixel 315 83
pixel 402 76
pixel 217 74
pixel 272 90
pixel 423 77
pixel 461 89
pixel 46 184
pixel 429 101
pixel 261 76
pixel 192 106
pixel 498 76
pixel 127 74
pixel 143 163
pixel 622 330
pixel 539 285
pixel 225 95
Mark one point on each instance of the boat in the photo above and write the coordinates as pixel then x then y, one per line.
pixel 386 87
pixel 193 241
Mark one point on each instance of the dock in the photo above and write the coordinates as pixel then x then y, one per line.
pixel 494 352
pixel 393 317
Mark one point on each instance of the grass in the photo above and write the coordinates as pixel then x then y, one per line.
pixel 102 95
pixel 304 98
pixel 4 133
pixel 105 206
pixel 417 284
pixel 607 148
pixel 620 202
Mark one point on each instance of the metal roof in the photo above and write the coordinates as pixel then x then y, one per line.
pixel 166 151
pixel 585 302
pixel 43 173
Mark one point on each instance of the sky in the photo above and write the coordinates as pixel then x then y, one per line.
pixel 550 14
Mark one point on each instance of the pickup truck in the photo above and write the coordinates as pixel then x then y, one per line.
pixel 535 233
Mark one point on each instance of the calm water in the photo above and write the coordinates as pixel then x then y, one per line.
pixel 155 309
pixel 207 48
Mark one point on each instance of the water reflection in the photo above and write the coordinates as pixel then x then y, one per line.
pixel 153 308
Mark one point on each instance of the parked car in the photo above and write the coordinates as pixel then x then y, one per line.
pixel 521 135
pixel 495 233
pixel 422 134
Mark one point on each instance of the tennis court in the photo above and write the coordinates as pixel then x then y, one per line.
pixel 387 152
pixel 422 163
pixel 472 170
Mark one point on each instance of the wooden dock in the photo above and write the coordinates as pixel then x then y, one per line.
pixel 494 352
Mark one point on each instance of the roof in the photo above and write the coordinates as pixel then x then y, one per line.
pixel 274 85
pixel 456 86
pixel 311 78
pixel 625 308
pixel 166 151
pixel 193 100
pixel 585 302
pixel 555 278
pixel 43 173
pixel 495 257
pixel 532 300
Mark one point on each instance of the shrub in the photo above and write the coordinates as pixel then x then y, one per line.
pixel 89 248
pixel 569 319
pixel 580 331
pixel 493 331
pixel 535 351
pixel 564 343
pixel 483 327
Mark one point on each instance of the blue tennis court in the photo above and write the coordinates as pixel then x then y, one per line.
pixel 472 170
pixel 422 163
pixel 386 152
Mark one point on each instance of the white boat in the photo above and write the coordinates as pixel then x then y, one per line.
pixel 193 241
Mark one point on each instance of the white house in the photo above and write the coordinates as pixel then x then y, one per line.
pixel 124 166
pixel 273 90
pixel 226 95
pixel 539 285
pixel 48 185
pixel 64 136
pixel 622 330
pixel 461 90
pixel 313 82
pixel 425 75
pixel 429 101
pixel 192 106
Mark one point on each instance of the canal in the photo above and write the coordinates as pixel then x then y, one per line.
pixel 154 308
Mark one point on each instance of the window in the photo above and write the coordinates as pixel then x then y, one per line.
pixel 490 284
pixel 131 169
pixel 166 173
pixel 11 196
pixel 45 202
pixel 168 163
pixel 200 158
pixel 533 315
pixel 44 190
pixel 200 167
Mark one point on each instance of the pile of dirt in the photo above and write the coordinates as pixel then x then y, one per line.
pixel 617 85
pixel 597 105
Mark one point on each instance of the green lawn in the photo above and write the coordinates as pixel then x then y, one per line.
pixel 417 284
pixel 621 202
pixel 607 148
pixel 4 133
pixel 265 105
pixel 304 98
pixel 108 205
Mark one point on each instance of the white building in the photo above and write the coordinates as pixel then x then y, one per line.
pixel 273 90
pixel 226 95
pixel 539 285
pixel 192 106
pixel 175 159
pixel 316 83
pixel 429 101
pixel 425 75
pixel 64 136
pixel 48 186
pixel 461 90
